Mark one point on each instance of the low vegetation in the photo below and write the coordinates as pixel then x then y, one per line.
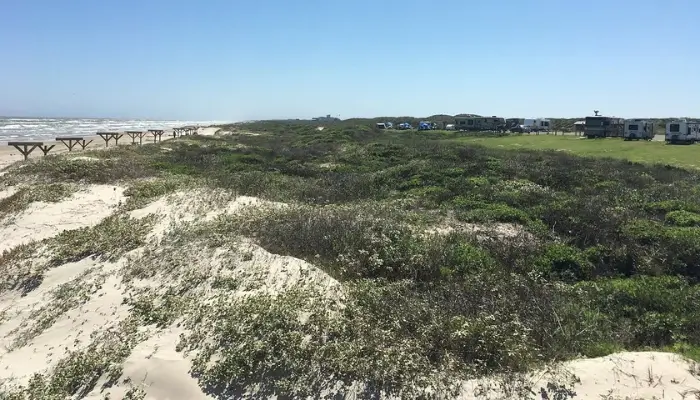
pixel 458 258
pixel 656 152
pixel 23 197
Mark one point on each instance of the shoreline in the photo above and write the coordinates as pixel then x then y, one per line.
pixel 9 154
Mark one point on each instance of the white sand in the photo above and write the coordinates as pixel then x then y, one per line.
pixel 241 203
pixel 43 220
pixel 628 375
pixel 159 369
pixel 7 192
pixel 498 231
pixel 71 331
pixel 208 131
pixel 186 206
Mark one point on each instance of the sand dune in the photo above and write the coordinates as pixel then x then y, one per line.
pixel 95 306
pixel 87 207
pixel 626 375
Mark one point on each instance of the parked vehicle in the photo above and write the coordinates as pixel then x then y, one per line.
pixel 601 127
pixel 636 129
pixel 480 123
pixel 682 132
pixel 537 124
pixel 521 129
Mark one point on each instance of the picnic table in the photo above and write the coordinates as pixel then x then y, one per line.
pixel 71 141
pixel 26 148
pixel 107 136
pixel 157 134
pixel 134 134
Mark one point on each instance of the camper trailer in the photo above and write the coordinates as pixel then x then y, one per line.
pixel 493 123
pixel 537 124
pixel 601 127
pixel 636 129
pixel 682 132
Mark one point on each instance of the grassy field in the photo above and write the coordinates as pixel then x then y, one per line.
pixel 641 151
pixel 458 257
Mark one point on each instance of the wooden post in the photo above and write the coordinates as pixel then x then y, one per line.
pixel 25 148
pixel 110 135
pixel 46 148
pixel 105 136
pixel 83 144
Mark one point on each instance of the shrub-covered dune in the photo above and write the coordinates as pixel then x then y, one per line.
pixel 280 260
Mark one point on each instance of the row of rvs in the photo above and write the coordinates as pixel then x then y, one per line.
pixel 500 124
pixel 679 131
pixel 475 123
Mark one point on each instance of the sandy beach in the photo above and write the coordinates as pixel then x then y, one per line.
pixel 9 154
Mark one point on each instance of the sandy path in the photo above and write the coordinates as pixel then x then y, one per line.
pixel 9 155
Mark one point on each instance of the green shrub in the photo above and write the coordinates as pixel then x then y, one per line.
pixel 682 218
pixel 564 262
pixel 495 213
pixel 665 206
pixel 123 165
pixel 656 309
pixel 466 259
pixel 645 232
pixel 111 238
pixel 142 192
pixel 22 198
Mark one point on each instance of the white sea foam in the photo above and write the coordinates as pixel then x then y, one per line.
pixel 48 128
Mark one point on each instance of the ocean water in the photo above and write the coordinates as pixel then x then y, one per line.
pixel 12 129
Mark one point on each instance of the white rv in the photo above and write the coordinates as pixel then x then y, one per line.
pixel 537 124
pixel 636 129
pixel 682 131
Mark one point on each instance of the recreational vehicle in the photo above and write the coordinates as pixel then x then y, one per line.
pixel 480 123
pixel 636 129
pixel 602 127
pixel 682 131
pixel 537 124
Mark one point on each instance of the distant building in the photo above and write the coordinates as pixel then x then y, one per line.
pixel 327 118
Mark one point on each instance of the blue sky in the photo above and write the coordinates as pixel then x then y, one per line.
pixel 252 59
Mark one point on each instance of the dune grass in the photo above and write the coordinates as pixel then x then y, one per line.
pixel 540 255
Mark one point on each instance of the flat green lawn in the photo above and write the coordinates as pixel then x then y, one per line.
pixel 641 151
